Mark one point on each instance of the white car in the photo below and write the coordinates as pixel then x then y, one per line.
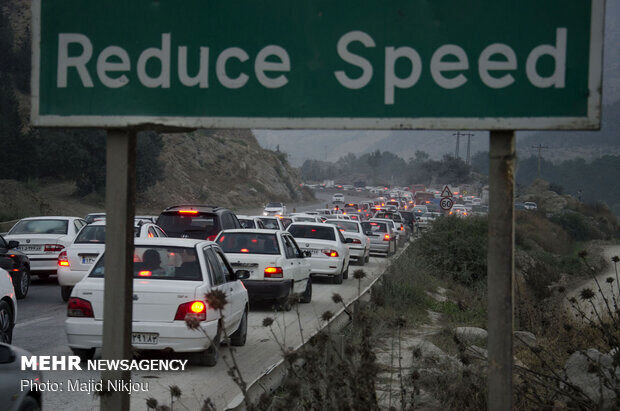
pixel 274 209
pixel 272 223
pixel 278 268
pixel 250 221
pixel 8 307
pixel 530 205
pixel 338 198
pixel 80 255
pixel 306 218
pixel 327 246
pixel 43 238
pixel 460 210
pixel 171 279
pixel 401 235
pixel 359 247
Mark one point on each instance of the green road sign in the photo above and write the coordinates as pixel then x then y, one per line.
pixel 440 64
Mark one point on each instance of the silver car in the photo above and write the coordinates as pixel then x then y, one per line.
pixel 382 238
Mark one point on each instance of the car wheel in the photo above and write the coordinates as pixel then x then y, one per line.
pixel 6 322
pixel 21 281
pixel 209 356
pixel 238 337
pixel 65 292
pixel 337 279
pixel 85 354
pixel 306 297
pixel 345 274
pixel 29 404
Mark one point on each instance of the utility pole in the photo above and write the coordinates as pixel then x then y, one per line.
pixel 539 147
pixel 458 136
pixel 468 159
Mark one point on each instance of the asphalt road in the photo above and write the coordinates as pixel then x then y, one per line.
pixel 40 330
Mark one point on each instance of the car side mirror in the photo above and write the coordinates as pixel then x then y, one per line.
pixel 349 240
pixel 242 274
pixel 7 356
pixel 13 244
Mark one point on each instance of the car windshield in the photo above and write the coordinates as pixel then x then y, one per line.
pixel 40 227
pixel 270 223
pixel 247 223
pixel 271 205
pixel 375 227
pixel 344 225
pixel 314 232
pixel 250 243
pixel 160 263
pixel 189 225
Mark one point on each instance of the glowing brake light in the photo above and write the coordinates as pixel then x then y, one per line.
pixel 63 260
pixel 197 309
pixel 212 237
pixel 330 253
pixel 188 211
pixel 244 250
pixel 273 272
pixel 145 273
pixel 386 237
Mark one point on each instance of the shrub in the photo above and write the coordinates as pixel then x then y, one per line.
pixel 456 248
pixel 574 224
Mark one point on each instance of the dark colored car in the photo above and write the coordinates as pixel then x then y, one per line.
pixel 17 264
pixel 197 221
pixel 409 219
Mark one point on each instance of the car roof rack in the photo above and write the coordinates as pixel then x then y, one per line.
pixel 194 206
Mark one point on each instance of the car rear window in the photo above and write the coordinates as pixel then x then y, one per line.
pixel 270 223
pixel 40 227
pixel 250 243
pixel 313 232
pixel 344 225
pixel 200 225
pixel 375 226
pixel 95 234
pixel 304 219
pixel 160 263
pixel 272 205
pixel 247 223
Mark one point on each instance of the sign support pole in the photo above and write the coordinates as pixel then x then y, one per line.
pixel 118 292
pixel 500 260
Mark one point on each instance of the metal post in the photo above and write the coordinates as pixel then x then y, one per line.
pixel 118 302
pixel 500 268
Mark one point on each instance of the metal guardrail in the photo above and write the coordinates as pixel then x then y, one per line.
pixel 273 375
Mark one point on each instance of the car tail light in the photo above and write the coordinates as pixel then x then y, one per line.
pixel 63 260
pixel 212 237
pixel 386 237
pixel 145 273
pixel 196 309
pixel 331 253
pixel 356 241
pixel 77 307
pixel 402 228
pixel 53 248
pixel 188 211
pixel 274 272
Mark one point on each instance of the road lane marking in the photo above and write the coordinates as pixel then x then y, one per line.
pixel 38 320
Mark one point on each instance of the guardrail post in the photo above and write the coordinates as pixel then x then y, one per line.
pixel 500 268
pixel 118 302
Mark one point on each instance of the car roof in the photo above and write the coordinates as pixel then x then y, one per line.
pixel 52 217
pixel 340 220
pixel 170 241
pixel 253 230
pixel 136 223
pixel 307 223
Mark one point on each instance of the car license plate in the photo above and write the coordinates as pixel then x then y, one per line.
pixel 88 259
pixel 29 248
pixel 313 251
pixel 144 338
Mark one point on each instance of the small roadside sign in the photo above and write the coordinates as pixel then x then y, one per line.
pixel 446 203
pixel 446 192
